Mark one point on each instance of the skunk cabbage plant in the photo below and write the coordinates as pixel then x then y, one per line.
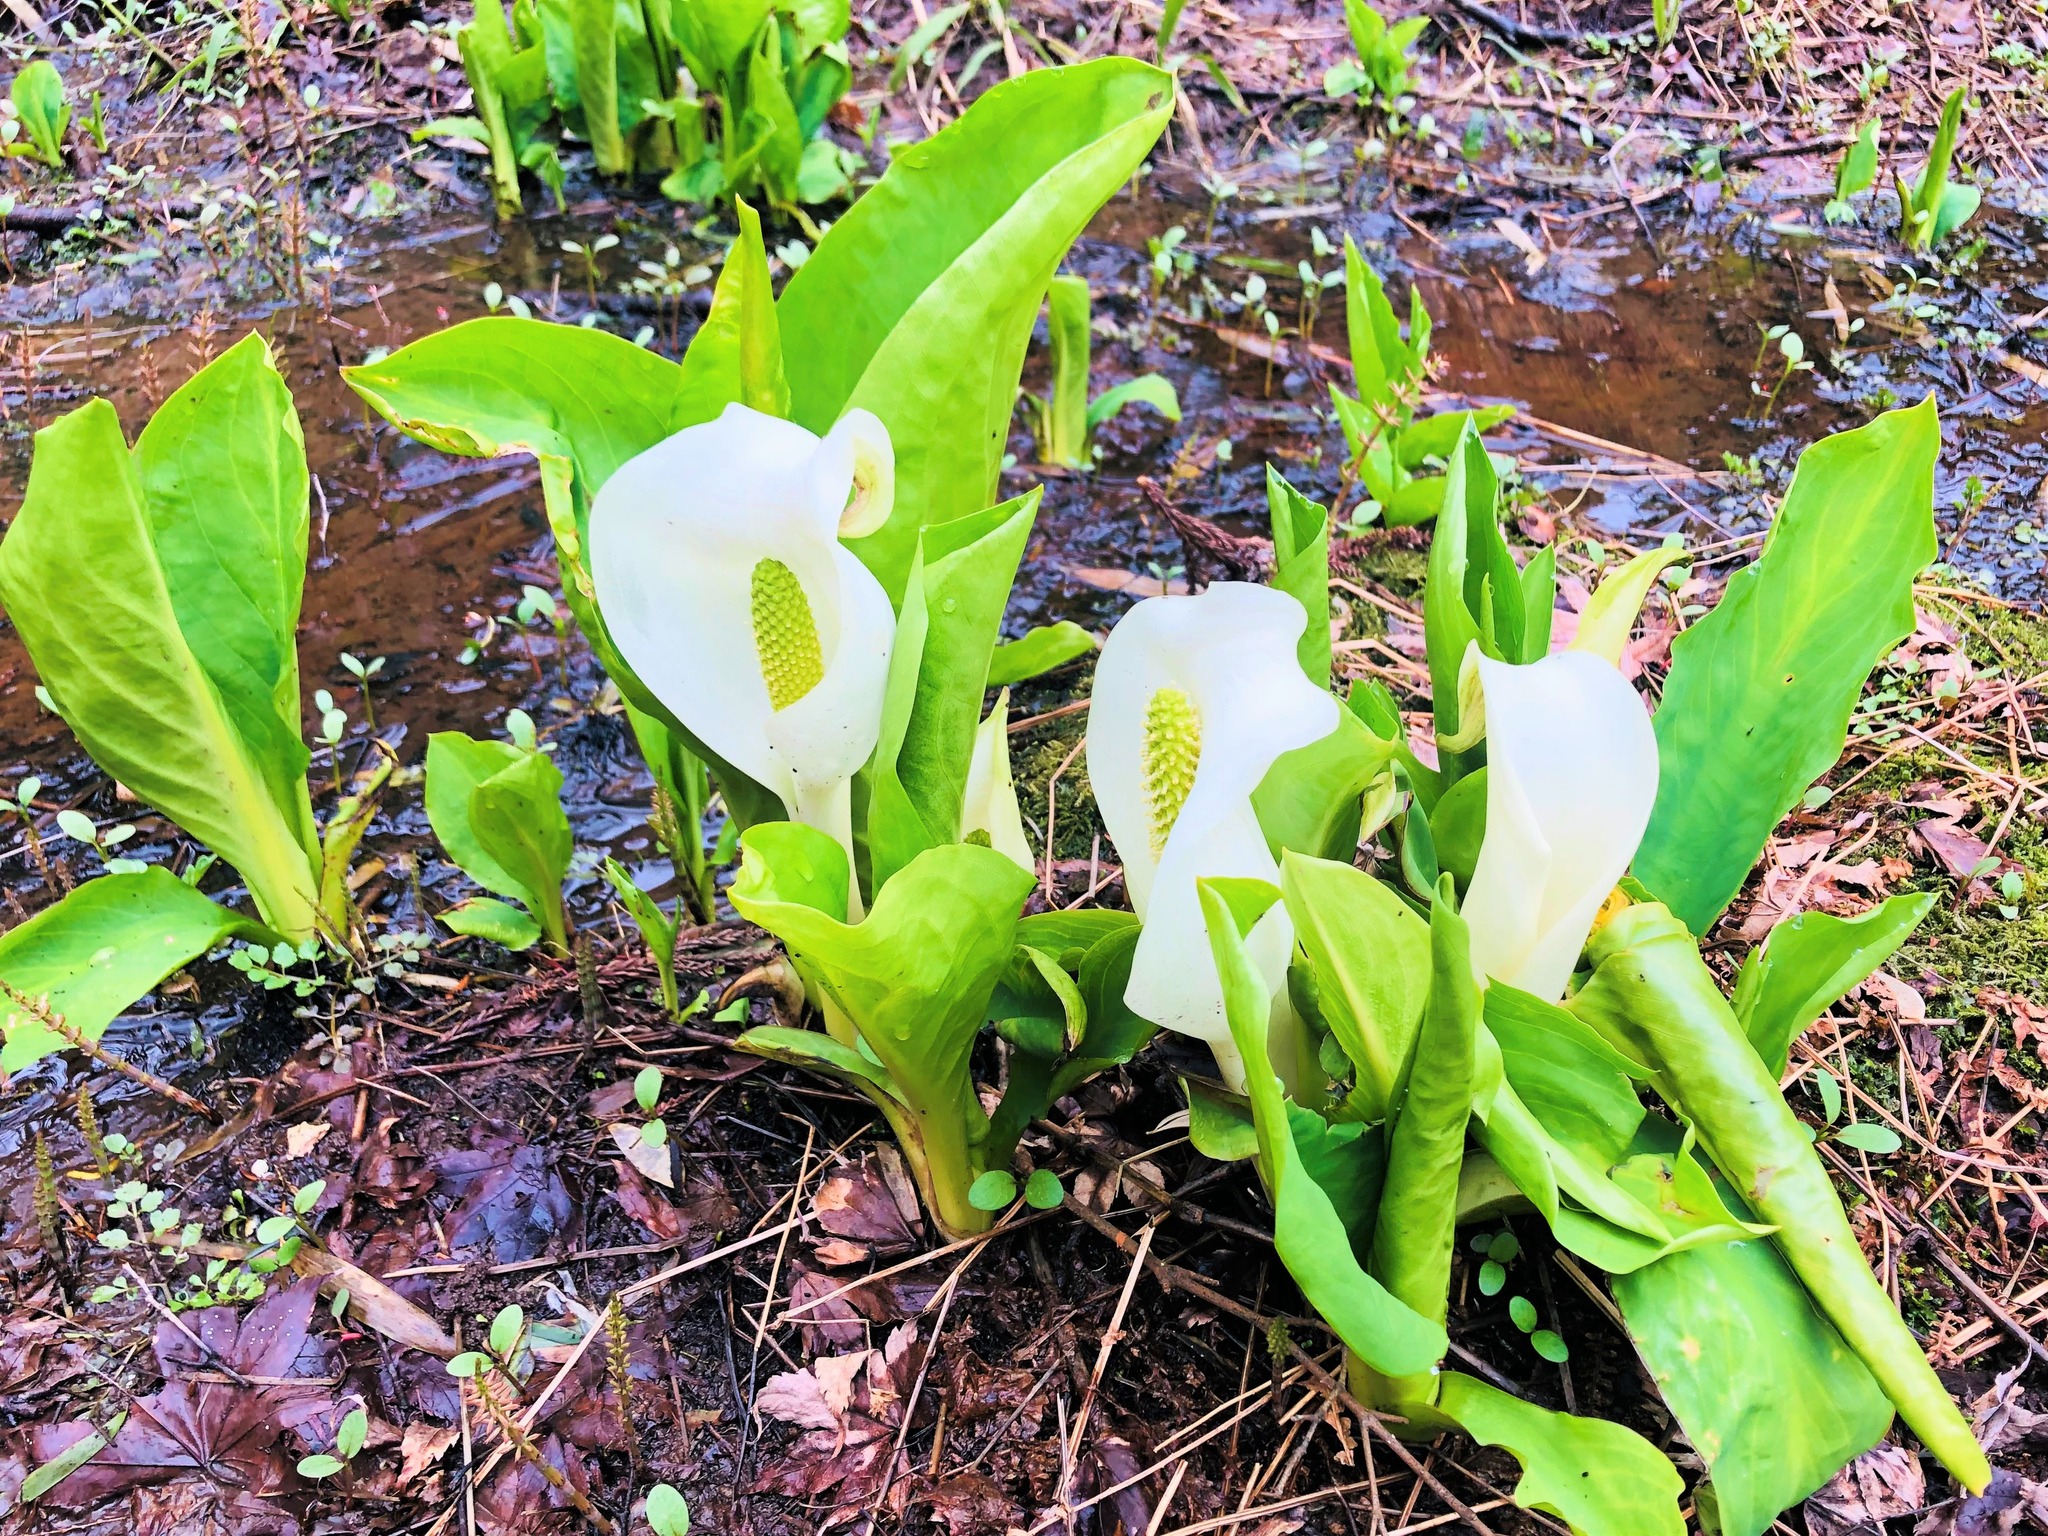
pixel 496 806
pixel 1454 1079
pixel 810 493
pixel 1195 698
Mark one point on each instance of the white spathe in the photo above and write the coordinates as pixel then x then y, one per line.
pixel 1571 776
pixel 990 803
pixel 676 536
pixel 1230 653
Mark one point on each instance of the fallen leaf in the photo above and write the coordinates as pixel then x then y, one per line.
pixel 866 1201
pixel 1884 1482
pixel 422 1446
pixel 654 1160
pixel 639 1200
pixel 511 1203
pixel 303 1138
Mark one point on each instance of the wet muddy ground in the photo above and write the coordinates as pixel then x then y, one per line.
pixel 462 1120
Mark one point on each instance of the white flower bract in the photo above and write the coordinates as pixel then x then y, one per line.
pixel 1571 776
pixel 722 581
pixel 1213 680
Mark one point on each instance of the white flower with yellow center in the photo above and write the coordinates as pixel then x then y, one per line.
pixel 1195 697
pixel 1571 775
pixel 720 574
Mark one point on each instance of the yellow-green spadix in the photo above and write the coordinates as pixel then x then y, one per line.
pixel 1194 698
pixel 721 577
pixel 1571 775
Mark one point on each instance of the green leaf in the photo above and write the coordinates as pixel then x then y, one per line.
pixel 1066 328
pixel 667 1513
pixel 1757 704
pixel 499 922
pixel 1371 956
pixel 1523 1311
pixel 1652 996
pixel 1153 389
pixel 919 303
pixel 319 1465
pixel 912 981
pixel 1311 799
pixel 1857 170
pixel 1809 961
pixel 993 1191
pixel 920 41
pixel 1042 1190
pixel 1309 1234
pixel 969 565
pixel 158 595
pixel 1413 1234
pixel 1041 650
pixel 354 1431
pixel 497 810
pixel 506 1328
pixel 1599 1478
pixel 67 1461
pixel 647 1089
pixel 1220 1122
pixel 1868 1136
pixel 1610 615
pixel 516 816
pixel 1769 1395
pixel 38 97
pixel 99 949
pixel 1301 568
pixel 1434 437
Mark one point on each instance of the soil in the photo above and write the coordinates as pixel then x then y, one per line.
pixel 772 1330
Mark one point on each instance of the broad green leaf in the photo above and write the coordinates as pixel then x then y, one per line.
pixel 497 810
pixel 499 922
pixel 1040 651
pixel 158 594
pixel 1381 364
pixel 1066 325
pixel 919 303
pixel 1371 956
pixel 1769 1395
pixel 1434 437
pixel 1457 826
pixel 1857 171
pixel 1653 997
pixel 822 1054
pixel 38 97
pixel 1757 704
pixel 99 949
pixel 1310 800
pixel 667 1513
pixel 516 816
pixel 1309 1233
pixel 771 144
pixel 593 29
pixel 1808 962
pixel 1301 568
pixel 1070 935
pixel 913 979
pixel 1600 1478
pixel 1220 1122
pixel 456 764
pixel 1153 389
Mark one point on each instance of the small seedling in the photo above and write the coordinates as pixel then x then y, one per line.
pixel 348 1443
pixel 1380 72
pixel 1934 207
pixel 78 826
pixel 667 1514
pixel 362 672
pixel 1855 172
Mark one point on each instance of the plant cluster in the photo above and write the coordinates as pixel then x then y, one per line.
pixel 1441 977
pixel 718 98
